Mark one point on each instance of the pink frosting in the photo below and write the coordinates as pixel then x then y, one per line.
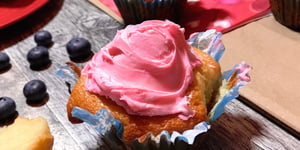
pixel 146 69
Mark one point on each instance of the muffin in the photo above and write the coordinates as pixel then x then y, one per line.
pixel 27 134
pixel 149 81
pixel 137 11
pixel 286 12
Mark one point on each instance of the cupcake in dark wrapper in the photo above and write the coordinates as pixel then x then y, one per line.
pixel 287 12
pixel 137 11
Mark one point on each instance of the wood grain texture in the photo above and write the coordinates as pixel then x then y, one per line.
pixel 273 52
pixel 239 128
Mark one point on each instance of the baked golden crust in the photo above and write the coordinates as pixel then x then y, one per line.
pixel 27 134
pixel 205 84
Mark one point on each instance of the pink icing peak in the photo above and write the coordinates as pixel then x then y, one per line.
pixel 146 69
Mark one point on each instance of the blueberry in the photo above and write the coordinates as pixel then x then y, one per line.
pixel 35 91
pixel 7 108
pixel 4 62
pixel 79 49
pixel 38 57
pixel 43 38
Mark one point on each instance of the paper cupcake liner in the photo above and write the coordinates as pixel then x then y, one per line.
pixel 137 11
pixel 112 129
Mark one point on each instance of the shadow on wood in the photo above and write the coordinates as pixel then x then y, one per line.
pixel 31 24
pixel 231 132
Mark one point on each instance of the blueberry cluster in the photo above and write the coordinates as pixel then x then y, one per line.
pixel 7 109
pixel 35 91
pixel 4 62
pixel 38 57
pixel 43 38
pixel 79 49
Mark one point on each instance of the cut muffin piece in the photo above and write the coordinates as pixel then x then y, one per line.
pixel 26 134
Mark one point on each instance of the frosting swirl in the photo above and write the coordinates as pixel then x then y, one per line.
pixel 146 69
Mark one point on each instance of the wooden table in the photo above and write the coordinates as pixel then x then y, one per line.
pixel 240 127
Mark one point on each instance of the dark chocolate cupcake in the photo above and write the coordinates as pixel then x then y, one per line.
pixel 287 12
pixel 137 11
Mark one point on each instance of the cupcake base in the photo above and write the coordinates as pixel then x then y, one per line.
pixel 137 11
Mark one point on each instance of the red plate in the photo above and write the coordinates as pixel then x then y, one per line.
pixel 12 11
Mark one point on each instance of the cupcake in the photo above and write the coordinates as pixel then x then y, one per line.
pixel 137 11
pixel 151 86
pixel 287 12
